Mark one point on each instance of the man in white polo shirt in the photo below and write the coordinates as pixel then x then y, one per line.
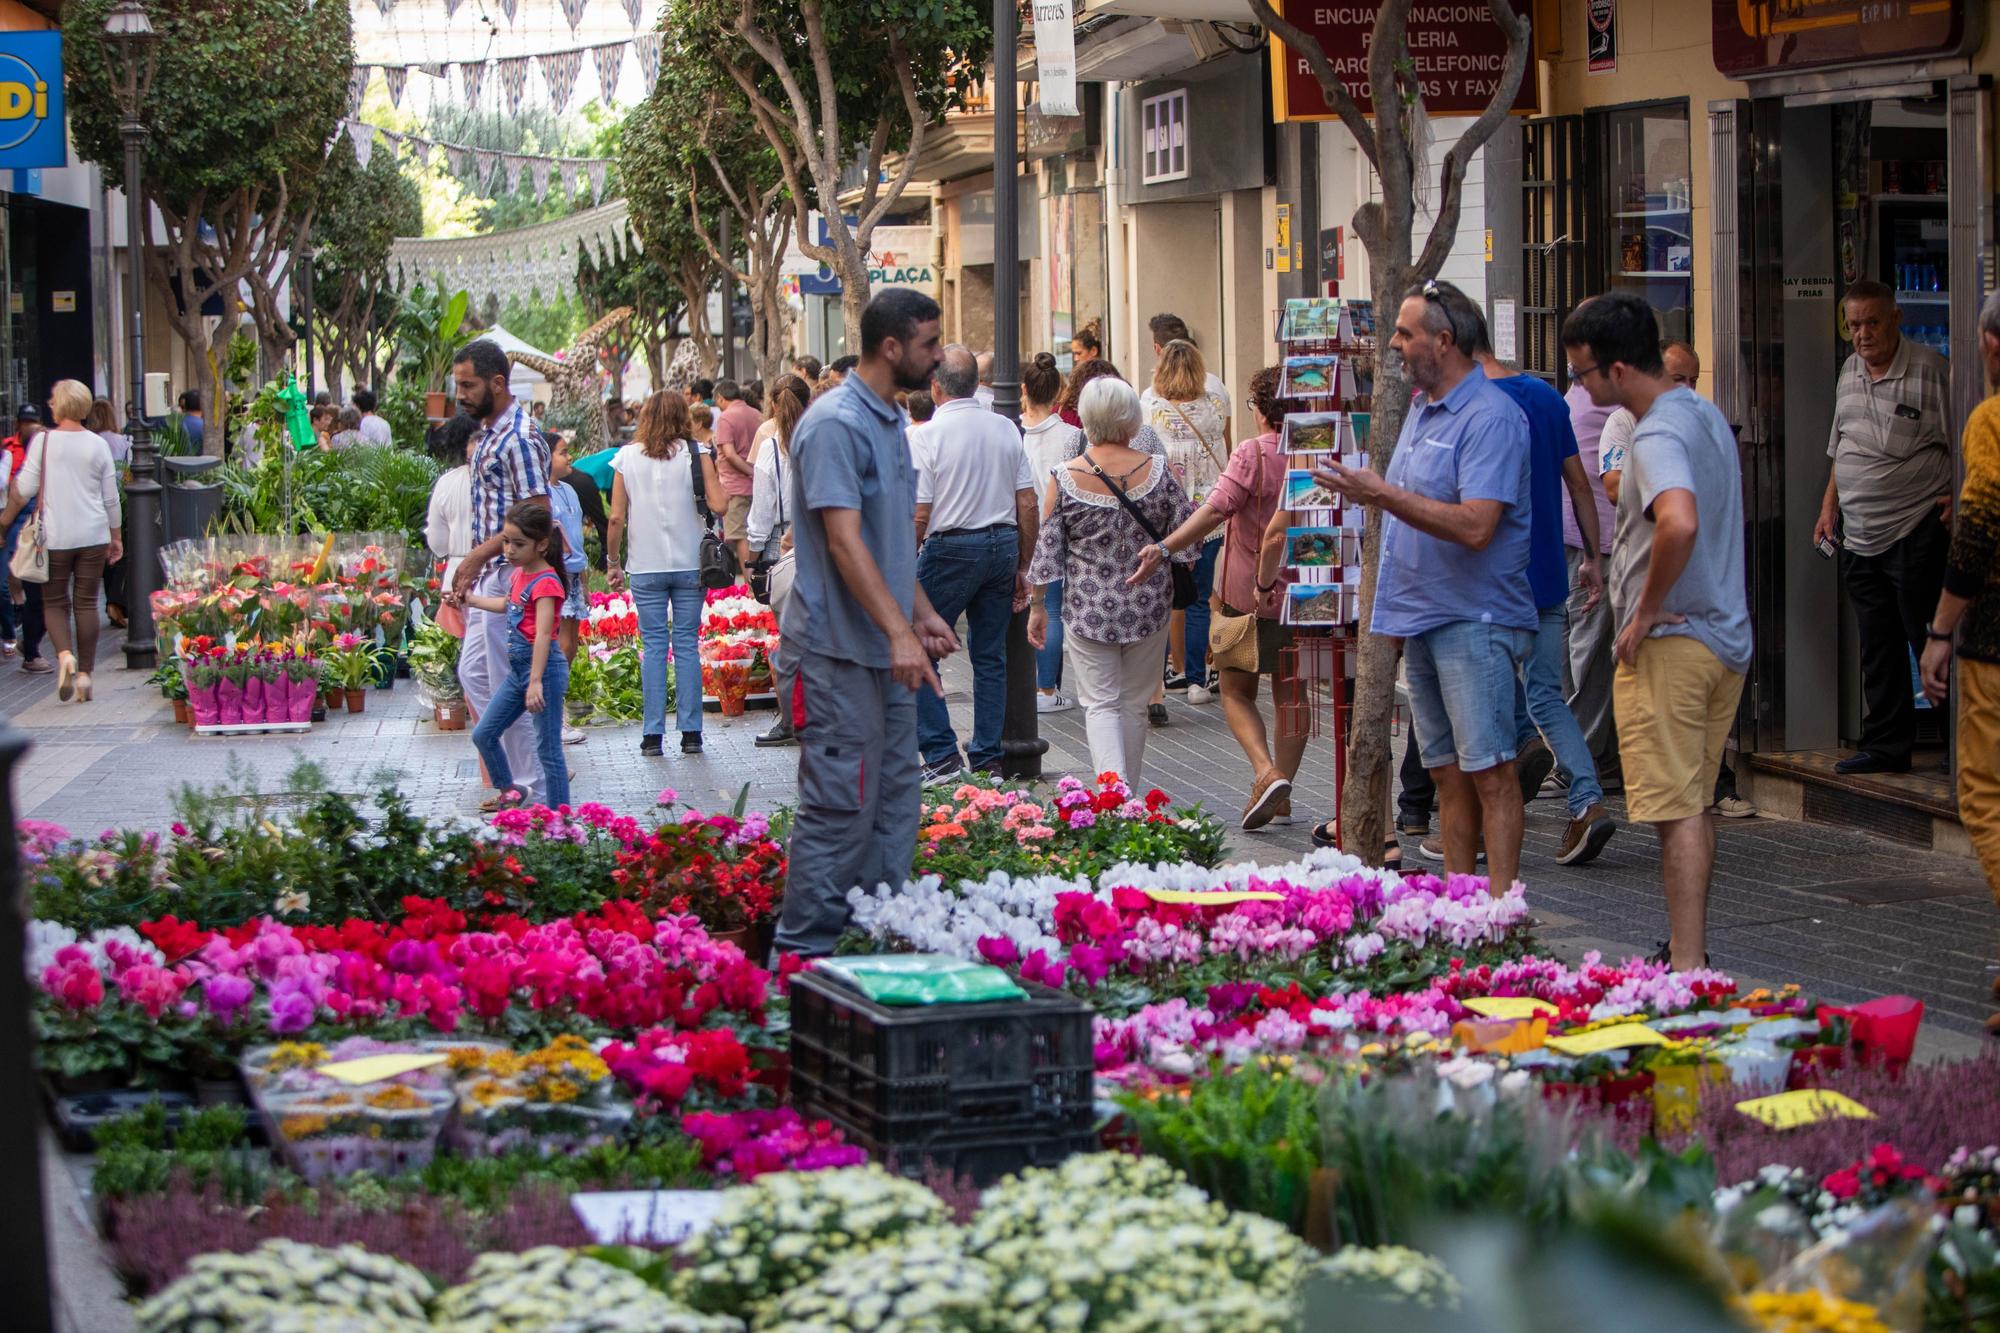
pixel 976 523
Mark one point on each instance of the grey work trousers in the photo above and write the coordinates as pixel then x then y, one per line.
pixel 860 795
pixel 1591 634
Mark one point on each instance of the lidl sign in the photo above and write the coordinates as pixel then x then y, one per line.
pixel 31 100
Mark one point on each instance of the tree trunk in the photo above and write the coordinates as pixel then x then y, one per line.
pixel 851 263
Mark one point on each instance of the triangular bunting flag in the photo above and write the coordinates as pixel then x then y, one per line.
pixel 385 6
pixel 434 68
pixel 634 8
pixel 393 141
pixel 647 44
pixel 422 149
pixel 456 159
pixel 515 163
pixel 451 7
pixel 395 76
pixel 573 11
pixel 569 175
pixel 364 140
pixel 609 61
pixel 357 88
pixel 513 81
pixel 559 72
pixel 474 74
pixel 483 163
pixel 538 172
pixel 597 167
pixel 508 7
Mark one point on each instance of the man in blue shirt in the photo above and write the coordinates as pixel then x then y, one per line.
pixel 1538 699
pixel 858 633
pixel 1453 581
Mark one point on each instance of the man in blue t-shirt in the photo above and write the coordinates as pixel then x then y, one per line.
pixel 1538 699
pixel 858 635
pixel 1453 581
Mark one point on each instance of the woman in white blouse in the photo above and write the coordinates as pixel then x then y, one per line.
pixel 1193 420
pixel 1050 442
pixel 652 496
pixel 770 526
pixel 448 524
pixel 71 469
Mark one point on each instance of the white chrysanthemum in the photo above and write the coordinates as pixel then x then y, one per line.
pixel 226 1290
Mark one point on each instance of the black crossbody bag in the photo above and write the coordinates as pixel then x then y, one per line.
pixel 719 566
pixel 1182 576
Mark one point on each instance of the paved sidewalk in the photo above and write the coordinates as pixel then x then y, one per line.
pixel 1847 914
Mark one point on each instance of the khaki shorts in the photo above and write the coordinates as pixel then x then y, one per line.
pixel 1675 709
pixel 736 519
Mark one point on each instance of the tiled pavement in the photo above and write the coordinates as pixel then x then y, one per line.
pixel 1848 914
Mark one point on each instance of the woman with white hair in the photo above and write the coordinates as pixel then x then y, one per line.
pixel 1108 504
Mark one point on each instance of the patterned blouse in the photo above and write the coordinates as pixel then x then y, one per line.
pixel 1093 545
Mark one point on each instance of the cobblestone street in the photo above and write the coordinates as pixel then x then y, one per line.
pixel 1845 913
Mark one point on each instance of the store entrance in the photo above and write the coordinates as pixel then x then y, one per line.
pixel 1851 191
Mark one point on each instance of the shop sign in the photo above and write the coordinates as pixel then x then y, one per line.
pixel 1600 35
pixel 31 100
pixel 1457 50
pixel 1055 58
pixel 1753 37
pixel 897 257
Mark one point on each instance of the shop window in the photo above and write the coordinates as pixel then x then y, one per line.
pixel 1163 120
pixel 1647 245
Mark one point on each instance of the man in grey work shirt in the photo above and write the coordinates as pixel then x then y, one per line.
pixel 1888 506
pixel 858 632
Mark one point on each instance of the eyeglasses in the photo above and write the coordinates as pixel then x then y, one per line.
pixel 1578 372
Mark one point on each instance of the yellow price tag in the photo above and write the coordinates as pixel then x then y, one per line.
pixel 1803 1106
pixel 375 1068
pixel 1510 1006
pixel 1616 1037
pixel 1197 898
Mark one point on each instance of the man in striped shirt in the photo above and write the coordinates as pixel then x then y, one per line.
pixel 510 463
pixel 1888 508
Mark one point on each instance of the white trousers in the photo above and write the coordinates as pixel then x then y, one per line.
pixel 482 665
pixel 1114 682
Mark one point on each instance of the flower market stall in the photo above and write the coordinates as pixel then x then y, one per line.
pixel 539 1066
pixel 261 632
pixel 739 636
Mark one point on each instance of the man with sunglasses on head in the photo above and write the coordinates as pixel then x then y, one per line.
pixel 1677 589
pixel 1453 582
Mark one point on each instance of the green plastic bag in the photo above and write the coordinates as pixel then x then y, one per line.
pixel 298 420
pixel 922 978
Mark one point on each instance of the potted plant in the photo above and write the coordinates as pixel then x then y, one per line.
pixel 349 661
pixel 434 665
pixel 173 687
pixel 427 328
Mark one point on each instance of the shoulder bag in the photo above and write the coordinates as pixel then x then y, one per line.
pixel 1183 577
pixel 719 566
pixel 31 555
pixel 1232 639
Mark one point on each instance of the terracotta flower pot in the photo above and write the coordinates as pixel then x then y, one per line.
pixel 357 701
pixel 333 700
pixel 180 710
pixel 435 405
pixel 449 716
pixel 744 938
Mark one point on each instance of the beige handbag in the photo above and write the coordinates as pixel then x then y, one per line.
pixel 31 553
pixel 1232 640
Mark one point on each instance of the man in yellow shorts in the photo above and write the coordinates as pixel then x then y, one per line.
pixel 1678 595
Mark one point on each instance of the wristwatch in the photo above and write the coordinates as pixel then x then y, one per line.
pixel 1165 553
pixel 1931 633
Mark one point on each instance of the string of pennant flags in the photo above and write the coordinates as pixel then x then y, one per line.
pixel 572 9
pixel 558 70
pixel 480 164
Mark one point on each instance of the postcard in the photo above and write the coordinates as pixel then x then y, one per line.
pixel 1311 376
pixel 1302 492
pixel 1307 604
pixel 1306 547
pixel 1312 432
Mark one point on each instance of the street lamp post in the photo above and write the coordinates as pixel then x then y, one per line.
pixel 134 46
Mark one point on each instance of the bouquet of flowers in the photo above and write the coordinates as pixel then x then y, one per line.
pixel 282 610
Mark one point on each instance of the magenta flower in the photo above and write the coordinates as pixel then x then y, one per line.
pixel 999 950
pixel 226 995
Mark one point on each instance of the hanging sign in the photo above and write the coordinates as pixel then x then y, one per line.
pixel 1753 37
pixel 1600 35
pixel 1458 54
pixel 31 100
pixel 1055 58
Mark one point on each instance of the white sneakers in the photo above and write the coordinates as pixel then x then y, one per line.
pixel 1053 703
pixel 1199 694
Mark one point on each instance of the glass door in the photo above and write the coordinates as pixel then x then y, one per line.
pixel 1645 187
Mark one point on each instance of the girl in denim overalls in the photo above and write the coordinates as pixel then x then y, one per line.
pixel 538 673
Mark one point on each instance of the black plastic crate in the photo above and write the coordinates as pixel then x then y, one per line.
pixel 983 1152
pixel 897 1075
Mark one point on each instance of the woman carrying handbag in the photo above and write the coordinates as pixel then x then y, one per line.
pixel 1245 633
pixel 74 534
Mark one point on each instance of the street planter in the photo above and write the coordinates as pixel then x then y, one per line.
pixel 357 700
pixel 449 715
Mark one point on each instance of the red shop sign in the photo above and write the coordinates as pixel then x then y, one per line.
pixel 1755 37
pixel 1457 49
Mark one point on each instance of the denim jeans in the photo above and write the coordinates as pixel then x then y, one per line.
pixel 653 595
pixel 970 574
pixel 1462 682
pixel 1195 617
pixel 10 624
pixel 510 702
pixel 1539 703
pixel 1048 658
